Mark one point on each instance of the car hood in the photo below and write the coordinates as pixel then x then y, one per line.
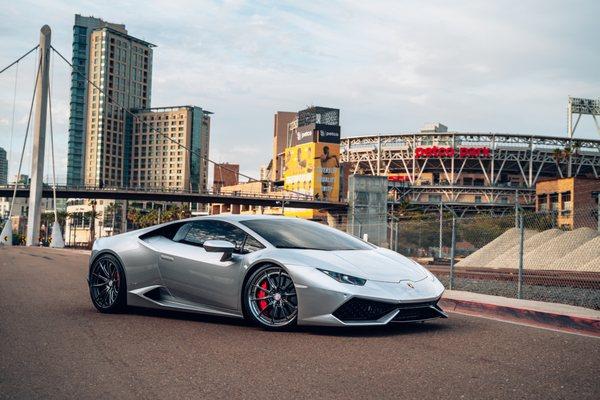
pixel 377 264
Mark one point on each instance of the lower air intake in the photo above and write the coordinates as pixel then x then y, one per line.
pixel 357 309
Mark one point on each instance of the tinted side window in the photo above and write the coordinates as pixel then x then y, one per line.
pixel 201 231
pixel 252 244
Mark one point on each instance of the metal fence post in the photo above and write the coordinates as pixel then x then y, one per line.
pixel 396 236
pixel 452 252
pixel 441 222
pixel 598 212
pixel 521 256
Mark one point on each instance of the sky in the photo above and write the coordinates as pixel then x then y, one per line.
pixel 389 66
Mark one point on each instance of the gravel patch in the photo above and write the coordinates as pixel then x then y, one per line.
pixel 589 298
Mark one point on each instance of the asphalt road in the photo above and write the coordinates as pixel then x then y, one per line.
pixel 53 344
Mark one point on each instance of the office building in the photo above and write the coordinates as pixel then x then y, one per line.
pixel 311 164
pixel 574 201
pixel 225 175
pixel 3 167
pixel 281 120
pixel 159 158
pixel 82 31
pixel 121 67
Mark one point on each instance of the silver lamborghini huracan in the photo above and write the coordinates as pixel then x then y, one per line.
pixel 273 270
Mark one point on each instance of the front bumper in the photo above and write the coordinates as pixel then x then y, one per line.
pixel 324 301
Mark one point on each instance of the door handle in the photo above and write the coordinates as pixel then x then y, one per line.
pixel 165 257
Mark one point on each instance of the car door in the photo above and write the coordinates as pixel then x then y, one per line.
pixel 191 273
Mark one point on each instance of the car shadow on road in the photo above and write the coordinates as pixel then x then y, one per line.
pixel 392 329
pixel 187 316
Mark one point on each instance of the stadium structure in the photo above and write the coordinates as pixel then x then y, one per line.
pixel 468 171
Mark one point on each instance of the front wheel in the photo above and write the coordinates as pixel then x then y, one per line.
pixel 270 298
pixel 107 284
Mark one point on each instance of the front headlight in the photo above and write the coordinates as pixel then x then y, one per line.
pixel 343 278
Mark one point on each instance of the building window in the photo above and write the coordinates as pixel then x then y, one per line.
pixel 542 202
pixel 565 198
pixel 554 202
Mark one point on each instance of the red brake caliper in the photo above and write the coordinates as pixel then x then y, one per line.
pixel 262 304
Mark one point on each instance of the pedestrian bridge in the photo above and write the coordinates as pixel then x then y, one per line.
pixel 273 199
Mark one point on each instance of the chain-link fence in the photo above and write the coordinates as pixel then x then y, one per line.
pixel 546 256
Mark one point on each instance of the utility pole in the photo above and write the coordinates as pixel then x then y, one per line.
pixel 39 140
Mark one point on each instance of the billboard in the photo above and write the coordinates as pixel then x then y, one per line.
pixel 314 169
pixel 316 133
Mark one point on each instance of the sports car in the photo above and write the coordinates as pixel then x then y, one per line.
pixel 275 271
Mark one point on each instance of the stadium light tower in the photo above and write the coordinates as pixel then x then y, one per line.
pixel 581 107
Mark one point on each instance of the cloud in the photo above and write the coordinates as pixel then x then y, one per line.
pixel 390 66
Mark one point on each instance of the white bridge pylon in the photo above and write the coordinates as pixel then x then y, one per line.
pixel 42 104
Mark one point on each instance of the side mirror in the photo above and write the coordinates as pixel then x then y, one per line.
pixel 220 246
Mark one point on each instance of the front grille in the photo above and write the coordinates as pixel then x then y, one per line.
pixel 357 309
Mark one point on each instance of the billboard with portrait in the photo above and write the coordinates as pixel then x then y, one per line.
pixel 314 169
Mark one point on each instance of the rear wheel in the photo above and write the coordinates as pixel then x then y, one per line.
pixel 270 298
pixel 107 284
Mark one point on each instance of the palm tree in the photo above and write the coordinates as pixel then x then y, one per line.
pixel 134 215
pixel 112 210
pixel 92 215
pixel 567 152
pixel 558 155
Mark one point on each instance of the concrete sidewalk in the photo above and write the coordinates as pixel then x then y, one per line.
pixel 536 313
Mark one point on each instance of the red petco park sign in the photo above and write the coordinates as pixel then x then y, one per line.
pixel 451 152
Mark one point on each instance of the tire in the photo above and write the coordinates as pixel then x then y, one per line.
pixel 270 298
pixel 108 287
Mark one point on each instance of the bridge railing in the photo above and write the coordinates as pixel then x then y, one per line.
pixel 274 194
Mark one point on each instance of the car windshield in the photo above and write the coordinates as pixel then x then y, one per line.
pixel 287 233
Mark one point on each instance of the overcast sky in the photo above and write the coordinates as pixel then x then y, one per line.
pixel 501 66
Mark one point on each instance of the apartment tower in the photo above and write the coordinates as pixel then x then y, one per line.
pixel 82 31
pixel 120 67
pixel 3 167
pixel 161 137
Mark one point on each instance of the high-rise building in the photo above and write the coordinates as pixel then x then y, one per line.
pixel 157 162
pixel 281 120
pixel 121 67
pixel 225 175
pixel 82 31
pixel 3 167
pixel 312 157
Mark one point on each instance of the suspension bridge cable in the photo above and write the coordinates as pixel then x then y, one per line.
pixel 52 152
pixel 19 59
pixel 37 76
pixel 12 123
pixel 144 124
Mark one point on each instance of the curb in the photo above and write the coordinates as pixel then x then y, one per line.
pixel 543 319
